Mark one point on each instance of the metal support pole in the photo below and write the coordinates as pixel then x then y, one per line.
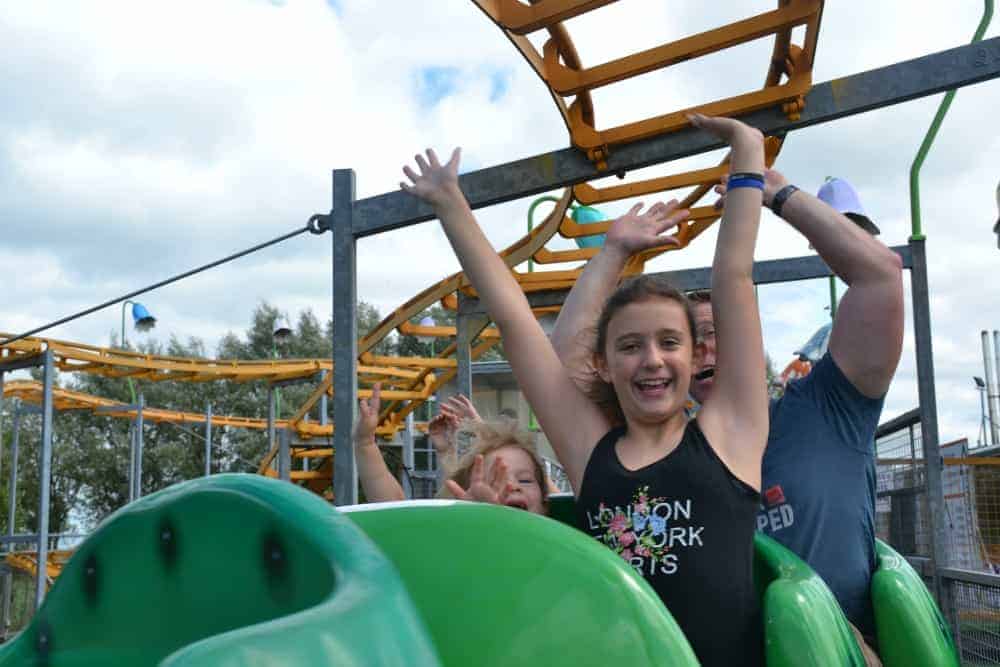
pixel 468 326
pixel 996 369
pixel 1 423
pixel 982 417
pixel 928 420
pixel 324 408
pixel 404 475
pixel 285 455
pixel 208 440
pixel 324 413
pixel 131 462
pixel 345 337
pixel 991 388
pixel 137 475
pixel 270 418
pixel 463 353
pixel 11 513
pixel 45 479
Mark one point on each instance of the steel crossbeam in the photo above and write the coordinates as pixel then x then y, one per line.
pixel 847 96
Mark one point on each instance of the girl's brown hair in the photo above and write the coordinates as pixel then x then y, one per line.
pixel 632 290
pixel 489 437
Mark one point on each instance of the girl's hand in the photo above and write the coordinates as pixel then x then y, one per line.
pixel 436 184
pixel 493 490
pixel 729 130
pixel 634 231
pixel 368 409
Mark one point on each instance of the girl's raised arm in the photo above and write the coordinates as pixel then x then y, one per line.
pixel 572 423
pixel 735 417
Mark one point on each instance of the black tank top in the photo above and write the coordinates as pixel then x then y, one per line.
pixel 686 523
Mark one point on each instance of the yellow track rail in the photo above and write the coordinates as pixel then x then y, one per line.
pixel 27 562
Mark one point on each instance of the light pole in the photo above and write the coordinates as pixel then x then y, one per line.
pixel 981 386
pixel 143 321
pixel 281 334
pixel 428 321
pixel 141 317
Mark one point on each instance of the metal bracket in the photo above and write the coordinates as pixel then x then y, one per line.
pixel 793 109
pixel 319 223
pixel 599 156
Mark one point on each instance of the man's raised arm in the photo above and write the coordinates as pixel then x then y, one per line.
pixel 867 336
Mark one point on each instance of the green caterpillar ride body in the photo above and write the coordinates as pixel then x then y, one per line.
pixel 245 570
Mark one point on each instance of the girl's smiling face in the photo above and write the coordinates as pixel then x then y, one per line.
pixel 648 358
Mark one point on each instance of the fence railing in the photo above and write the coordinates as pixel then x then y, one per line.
pixel 970 578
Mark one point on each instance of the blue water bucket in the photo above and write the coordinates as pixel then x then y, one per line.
pixel 586 215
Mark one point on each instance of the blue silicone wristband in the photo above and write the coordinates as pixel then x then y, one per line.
pixel 744 182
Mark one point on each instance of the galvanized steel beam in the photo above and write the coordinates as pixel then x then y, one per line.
pixel 345 337
pixel 45 476
pixel 928 419
pixel 764 273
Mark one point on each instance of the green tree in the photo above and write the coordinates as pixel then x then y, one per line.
pixel 411 346
pixel 773 387
pixel 96 469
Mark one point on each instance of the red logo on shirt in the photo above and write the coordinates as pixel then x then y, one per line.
pixel 774 496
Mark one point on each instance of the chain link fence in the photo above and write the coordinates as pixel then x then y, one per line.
pixel 977 607
pixel 970 480
pixel 902 514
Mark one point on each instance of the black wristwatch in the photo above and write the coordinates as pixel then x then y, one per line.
pixel 781 197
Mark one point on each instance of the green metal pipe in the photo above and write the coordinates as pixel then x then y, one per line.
pixel 916 233
pixel 833 297
pixel 531 220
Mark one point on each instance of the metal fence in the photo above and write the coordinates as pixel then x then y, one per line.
pixel 425 476
pixel 969 580
pixel 976 615
pixel 902 515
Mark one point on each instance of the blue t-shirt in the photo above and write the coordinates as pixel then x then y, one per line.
pixel 818 495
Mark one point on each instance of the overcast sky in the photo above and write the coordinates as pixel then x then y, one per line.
pixel 138 140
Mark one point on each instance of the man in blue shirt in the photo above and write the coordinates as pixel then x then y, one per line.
pixel 818 493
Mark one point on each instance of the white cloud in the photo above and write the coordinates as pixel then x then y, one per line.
pixel 139 140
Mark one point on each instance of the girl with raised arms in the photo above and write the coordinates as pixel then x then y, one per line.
pixel 676 498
